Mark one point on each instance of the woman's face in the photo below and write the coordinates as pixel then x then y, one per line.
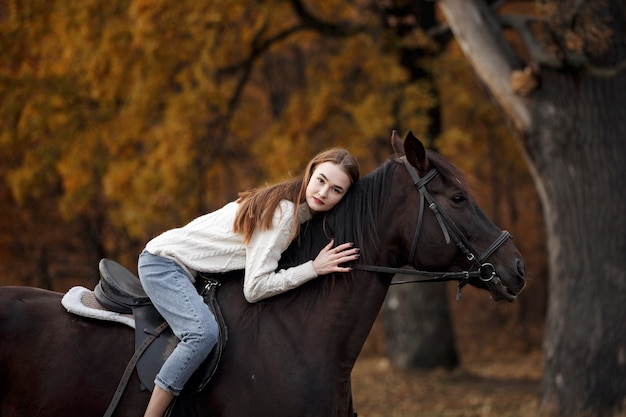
pixel 327 186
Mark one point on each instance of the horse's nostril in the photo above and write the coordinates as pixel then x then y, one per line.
pixel 520 267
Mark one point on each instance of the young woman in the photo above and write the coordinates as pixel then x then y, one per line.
pixel 250 233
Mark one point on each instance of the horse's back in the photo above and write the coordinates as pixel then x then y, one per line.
pixel 52 362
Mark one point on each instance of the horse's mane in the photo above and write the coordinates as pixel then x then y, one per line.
pixel 352 220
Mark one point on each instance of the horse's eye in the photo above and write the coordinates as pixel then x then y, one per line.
pixel 458 198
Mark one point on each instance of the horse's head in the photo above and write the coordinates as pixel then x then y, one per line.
pixel 444 227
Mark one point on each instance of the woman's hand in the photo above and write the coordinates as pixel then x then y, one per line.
pixel 329 258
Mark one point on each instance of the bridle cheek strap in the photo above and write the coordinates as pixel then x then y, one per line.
pixel 420 183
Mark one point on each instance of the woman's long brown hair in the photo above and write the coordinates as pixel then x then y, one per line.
pixel 257 206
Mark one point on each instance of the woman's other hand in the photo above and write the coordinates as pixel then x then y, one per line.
pixel 329 258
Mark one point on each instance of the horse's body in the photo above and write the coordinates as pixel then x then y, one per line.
pixel 291 355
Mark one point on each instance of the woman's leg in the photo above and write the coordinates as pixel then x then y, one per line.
pixel 159 401
pixel 191 320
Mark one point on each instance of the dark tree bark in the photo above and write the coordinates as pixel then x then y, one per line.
pixel 585 341
pixel 571 120
pixel 418 328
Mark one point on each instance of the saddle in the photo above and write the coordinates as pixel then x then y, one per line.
pixel 120 290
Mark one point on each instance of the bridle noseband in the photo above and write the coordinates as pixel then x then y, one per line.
pixel 485 271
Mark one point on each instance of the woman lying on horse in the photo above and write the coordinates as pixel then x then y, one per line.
pixel 250 233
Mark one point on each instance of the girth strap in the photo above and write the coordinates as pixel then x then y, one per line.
pixel 209 293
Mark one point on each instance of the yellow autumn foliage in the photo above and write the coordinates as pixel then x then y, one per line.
pixel 148 113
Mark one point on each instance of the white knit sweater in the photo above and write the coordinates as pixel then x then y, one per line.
pixel 208 244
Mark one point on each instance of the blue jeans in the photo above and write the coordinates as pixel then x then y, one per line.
pixel 176 299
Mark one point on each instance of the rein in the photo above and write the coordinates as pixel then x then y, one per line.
pixel 485 271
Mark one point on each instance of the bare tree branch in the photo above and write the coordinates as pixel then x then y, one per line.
pixel 309 21
pixel 538 55
pixel 243 69
pixel 479 34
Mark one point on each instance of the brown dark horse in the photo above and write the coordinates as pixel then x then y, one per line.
pixel 290 355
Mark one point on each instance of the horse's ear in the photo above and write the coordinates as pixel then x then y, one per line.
pixel 396 144
pixel 416 153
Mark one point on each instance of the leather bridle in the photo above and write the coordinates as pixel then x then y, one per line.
pixel 485 271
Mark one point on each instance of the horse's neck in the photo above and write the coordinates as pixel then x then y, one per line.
pixel 337 311
pixel 361 305
pixel 359 301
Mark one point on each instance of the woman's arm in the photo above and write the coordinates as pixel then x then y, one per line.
pixel 262 255
pixel 265 249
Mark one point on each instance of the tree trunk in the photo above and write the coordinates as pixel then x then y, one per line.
pixel 573 131
pixel 418 328
pixel 579 153
pixel 417 324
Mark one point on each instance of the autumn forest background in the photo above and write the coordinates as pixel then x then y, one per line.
pixel 120 119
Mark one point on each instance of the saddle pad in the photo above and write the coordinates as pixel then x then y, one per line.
pixel 82 302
